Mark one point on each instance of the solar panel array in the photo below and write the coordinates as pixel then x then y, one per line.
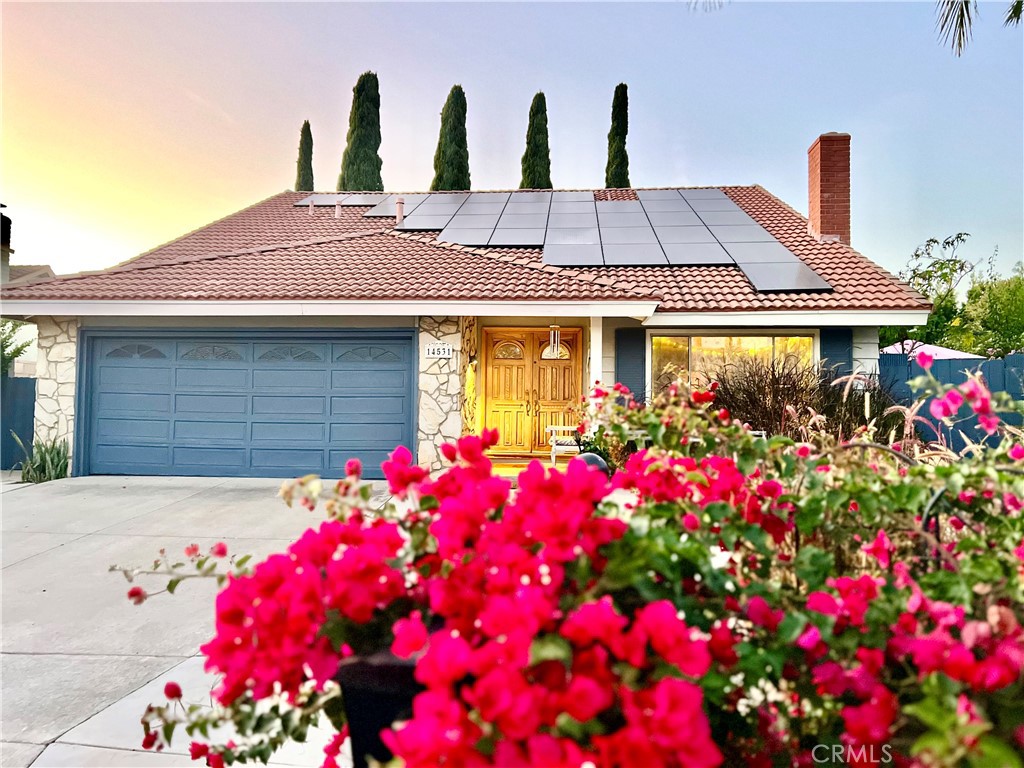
pixel 664 227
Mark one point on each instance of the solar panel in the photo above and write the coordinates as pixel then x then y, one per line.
pixel 714 204
pixel 572 220
pixel 530 197
pixel 619 206
pixel 623 220
pixel 323 198
pixel 386 207
pixel 524 238
pixel 573 197
pixel 523 221
pixel 448 197
pixel 421 223
pixel 369 198
pixel 465 236
pixel 677 204
pixel 696 254
pixel 736 217
pixel 702 194
pixel 648 195
pixel 634 255
pixel 489 197
pixel 476 207
pixel 629 236
pixel 674 219
pixel 573 255
pixel 572 207
pixel 741 234
pixel 684 235
pixel 516 207
pixel 782 278
pixel 589 235
pixel 432 208
pixel 750 253
pixel 463 220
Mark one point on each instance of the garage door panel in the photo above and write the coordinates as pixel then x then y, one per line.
pixel 285 432
pixel 134 378
pixel 296 459
pixel 252 406
pixel 211 378
pixel 132 429
pixel 289 378
pixel 211 430
pixel 117 403
pixel 212 404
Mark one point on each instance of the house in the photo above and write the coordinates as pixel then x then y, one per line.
pixel 307 329
pixel 911 349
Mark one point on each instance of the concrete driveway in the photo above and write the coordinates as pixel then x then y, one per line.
pixel 79 662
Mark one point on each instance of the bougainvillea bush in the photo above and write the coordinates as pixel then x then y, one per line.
pixel 720 600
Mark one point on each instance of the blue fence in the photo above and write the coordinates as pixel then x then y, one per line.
pixel 17 403
pixel 1006 375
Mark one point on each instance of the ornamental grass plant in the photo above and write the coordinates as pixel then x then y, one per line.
pixel 721 600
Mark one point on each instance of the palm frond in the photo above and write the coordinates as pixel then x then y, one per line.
pixel 954 22
pixel 1014 13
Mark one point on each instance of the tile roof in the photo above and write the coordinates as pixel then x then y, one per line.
pixel 274 250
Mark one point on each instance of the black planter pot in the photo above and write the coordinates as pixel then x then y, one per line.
pixel 377 690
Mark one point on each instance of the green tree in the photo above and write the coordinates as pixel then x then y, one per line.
pixel 304 172
pixel 361 163
pixel 956 19
pixel 537 157
pixel 10 350
pixel 616 172
pixel 993 314
pixel 935 270
pixel 451 159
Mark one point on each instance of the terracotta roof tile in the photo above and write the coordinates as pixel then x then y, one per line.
pixel 275 250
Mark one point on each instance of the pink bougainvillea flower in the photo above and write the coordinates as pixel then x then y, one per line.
pixel 220 549
pixel 198 751
pixel 989 422
pixel 192 550
pixel 803 450
pixel 946 406
pixel 410 636
pixel 149 740
pixel 881 548
pixel 401 472
pixel 759 612
pixel 691 522
pixel 137 595
pixel 172 691
pixel 770 489
pixel 1017 452
pixel 925 360
pixel 354 468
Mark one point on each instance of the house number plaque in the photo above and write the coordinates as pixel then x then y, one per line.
pixel 439 350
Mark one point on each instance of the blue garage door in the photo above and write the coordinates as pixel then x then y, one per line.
pixel 247 405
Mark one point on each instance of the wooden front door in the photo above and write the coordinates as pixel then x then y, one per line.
pixel 529 386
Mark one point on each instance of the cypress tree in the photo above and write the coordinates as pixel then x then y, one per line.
pixel 451 160
pixel 616 172
pixel 304 175
pixel 537 157
pixel 360 165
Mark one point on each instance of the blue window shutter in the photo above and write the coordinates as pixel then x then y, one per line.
pixel 837 348
pixel 631 360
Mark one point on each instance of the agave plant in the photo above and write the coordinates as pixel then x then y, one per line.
pixel 47 460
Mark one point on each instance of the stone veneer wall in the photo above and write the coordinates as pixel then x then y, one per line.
pixel 55 379
pixel 470 331
pixel 440 390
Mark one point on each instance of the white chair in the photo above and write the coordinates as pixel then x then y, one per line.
pixel 562 440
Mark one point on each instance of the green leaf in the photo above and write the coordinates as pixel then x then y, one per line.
pixel 550 648
pixel 932 713
pixel 993 752
pixel 813 566
pixel 791 627
pixel 173 585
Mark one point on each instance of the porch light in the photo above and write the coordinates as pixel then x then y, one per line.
pixel 554 336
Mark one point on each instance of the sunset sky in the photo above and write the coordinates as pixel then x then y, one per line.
pixel 126 125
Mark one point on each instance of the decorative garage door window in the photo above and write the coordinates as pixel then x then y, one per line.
pixel 257 405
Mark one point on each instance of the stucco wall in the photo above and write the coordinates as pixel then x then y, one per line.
pixel 440 390
pixel 56 363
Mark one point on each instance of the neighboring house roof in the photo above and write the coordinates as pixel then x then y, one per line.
pixel 276 251
pixel 912 348
pixel 28 273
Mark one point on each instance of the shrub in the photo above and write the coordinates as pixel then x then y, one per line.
pixel 782 396
pixel 693 610
pixel 47 461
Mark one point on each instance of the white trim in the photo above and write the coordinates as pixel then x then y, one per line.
pixel 683 331
pixel 818 318
pixel 596 354
pixel 562 308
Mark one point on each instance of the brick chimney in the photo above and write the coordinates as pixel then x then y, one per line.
pixel 828 186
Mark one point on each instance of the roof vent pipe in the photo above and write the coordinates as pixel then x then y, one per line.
pixel 337 209
pixel 312 208
pixel 399 211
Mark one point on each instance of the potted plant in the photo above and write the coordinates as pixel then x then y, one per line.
pixel 721 600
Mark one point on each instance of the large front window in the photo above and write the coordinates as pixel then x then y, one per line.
pixel 697 359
